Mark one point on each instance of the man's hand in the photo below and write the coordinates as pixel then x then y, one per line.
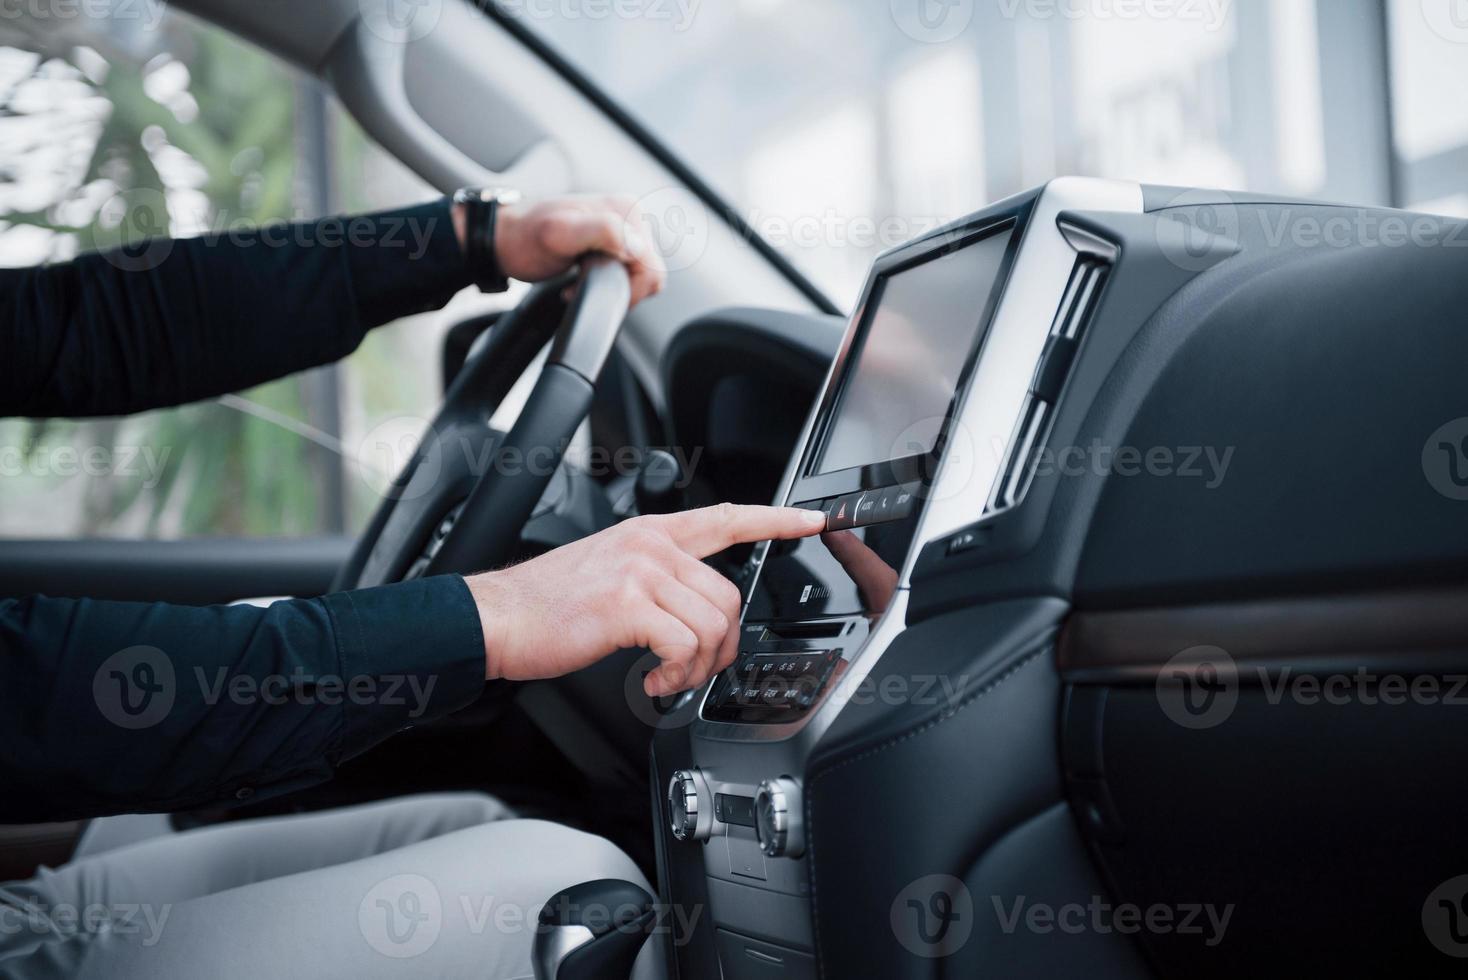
pixel 540 240
pixel 639 584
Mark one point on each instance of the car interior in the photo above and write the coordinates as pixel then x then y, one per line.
pixel 1106 467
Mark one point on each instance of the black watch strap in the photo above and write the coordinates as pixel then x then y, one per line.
pixel 481 211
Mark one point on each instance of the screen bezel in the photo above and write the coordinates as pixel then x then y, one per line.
pixel 917 469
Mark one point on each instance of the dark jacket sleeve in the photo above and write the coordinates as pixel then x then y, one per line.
pixel 114 707
pixel 166 321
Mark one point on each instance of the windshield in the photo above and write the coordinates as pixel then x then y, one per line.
pixel 841 128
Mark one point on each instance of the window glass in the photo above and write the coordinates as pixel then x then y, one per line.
pixel 840 129
pixel 107 119
pixel 153 108
pixel 392 384
pixel 1430 102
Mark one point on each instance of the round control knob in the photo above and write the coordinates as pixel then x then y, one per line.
pixel 690 811
pixel 778 818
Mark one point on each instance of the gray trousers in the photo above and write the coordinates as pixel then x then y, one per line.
pixel 427 886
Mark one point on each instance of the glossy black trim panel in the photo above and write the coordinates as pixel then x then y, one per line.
pixel 1403 631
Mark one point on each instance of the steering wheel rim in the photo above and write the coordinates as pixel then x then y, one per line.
pixel 464 495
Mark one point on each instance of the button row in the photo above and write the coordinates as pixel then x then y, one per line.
pixel 785 681
pixel 869 507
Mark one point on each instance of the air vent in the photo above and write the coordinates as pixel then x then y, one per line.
pixel 1033 431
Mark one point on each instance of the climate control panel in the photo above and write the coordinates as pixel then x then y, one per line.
pixel 783 670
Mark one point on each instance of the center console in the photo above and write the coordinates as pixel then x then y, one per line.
pixel 929 423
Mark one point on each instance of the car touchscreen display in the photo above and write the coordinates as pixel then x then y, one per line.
pixel 922 324
pixel 914 346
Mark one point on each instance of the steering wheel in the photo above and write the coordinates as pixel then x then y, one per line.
pixel 460 502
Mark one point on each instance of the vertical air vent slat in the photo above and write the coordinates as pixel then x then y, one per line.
pixel 1033 430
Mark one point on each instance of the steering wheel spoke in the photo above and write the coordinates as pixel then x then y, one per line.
pixel 491 483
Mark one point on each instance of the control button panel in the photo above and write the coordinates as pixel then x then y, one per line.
pixel 782 670
pixel 867 507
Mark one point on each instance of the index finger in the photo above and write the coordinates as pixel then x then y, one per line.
pixel 710 530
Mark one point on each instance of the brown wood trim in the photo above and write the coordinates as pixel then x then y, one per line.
pixel 1418 630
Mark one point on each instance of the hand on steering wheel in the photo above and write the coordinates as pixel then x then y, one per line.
pixel 541 240
pixel 639 584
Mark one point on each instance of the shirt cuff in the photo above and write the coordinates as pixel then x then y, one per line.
pixel 410 653
pixel 403 262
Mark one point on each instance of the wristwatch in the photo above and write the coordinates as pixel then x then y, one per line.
pixel 481 207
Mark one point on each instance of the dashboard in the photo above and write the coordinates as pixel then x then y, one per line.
pixel 917 715
pixel 959 344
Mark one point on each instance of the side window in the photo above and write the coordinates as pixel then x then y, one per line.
pixel 149 121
